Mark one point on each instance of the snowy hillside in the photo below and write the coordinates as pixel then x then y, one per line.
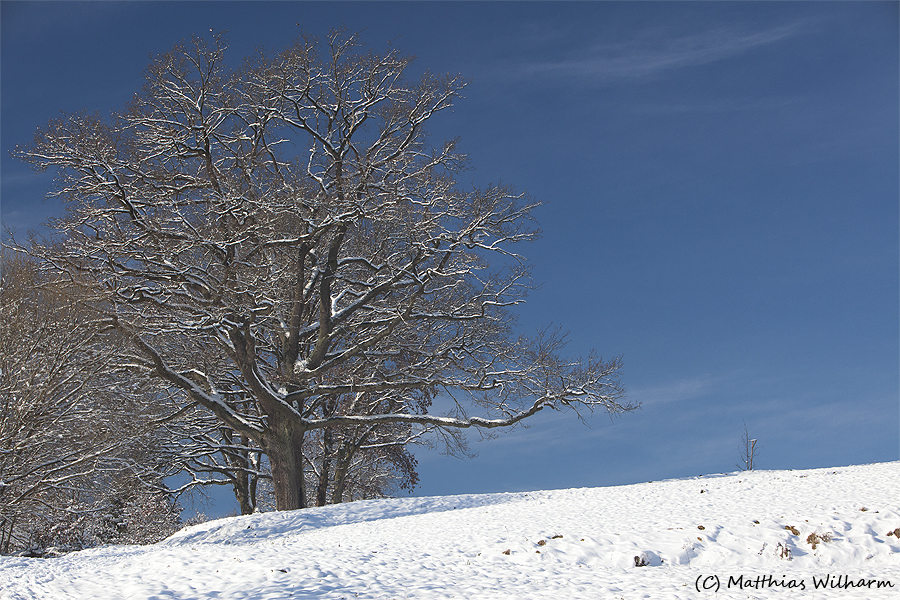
pixel 762 534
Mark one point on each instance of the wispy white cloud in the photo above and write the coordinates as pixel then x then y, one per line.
pixel 676 391
pixel 720 106
pixel 651 55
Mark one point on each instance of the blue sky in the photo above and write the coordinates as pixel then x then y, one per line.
pixel 721 188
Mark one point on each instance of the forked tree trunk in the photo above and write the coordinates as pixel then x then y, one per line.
pixel 285 451
pixel 346 452
pixel 341 468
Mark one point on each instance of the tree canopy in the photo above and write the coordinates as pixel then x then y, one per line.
pixel 282 243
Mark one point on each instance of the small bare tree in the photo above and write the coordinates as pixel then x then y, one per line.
pixel 290 218
pixel 748 451
pixel 209 453
pixel 369 460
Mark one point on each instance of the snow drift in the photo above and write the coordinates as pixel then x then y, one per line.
pixel 822 533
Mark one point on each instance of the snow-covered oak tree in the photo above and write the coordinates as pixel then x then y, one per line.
pixel 74 445
pixel 291 217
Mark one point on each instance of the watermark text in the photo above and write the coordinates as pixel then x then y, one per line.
pixel 716 583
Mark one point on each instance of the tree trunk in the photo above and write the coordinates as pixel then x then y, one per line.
pixel 328 410
pixel 252 492
pixel 6 526
pixel 242 493
pixel 239 461
pixel 285 450
pixel 252 480
pixel 322 490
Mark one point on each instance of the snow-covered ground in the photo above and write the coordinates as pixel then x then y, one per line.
pixel 760 534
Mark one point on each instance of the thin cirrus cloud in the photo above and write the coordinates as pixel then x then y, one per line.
pixel 721 106
pixel 650 56
pixel 690 388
